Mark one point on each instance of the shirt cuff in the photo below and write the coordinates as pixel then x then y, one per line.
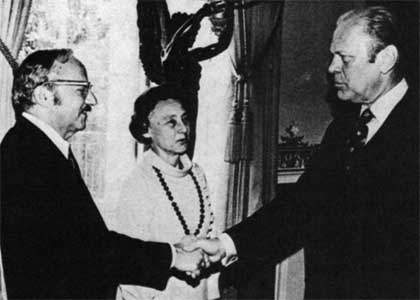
pixel 213 287
pixel 229 246
pixel 173 250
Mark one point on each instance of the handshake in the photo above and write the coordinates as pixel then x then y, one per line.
pixel 194 255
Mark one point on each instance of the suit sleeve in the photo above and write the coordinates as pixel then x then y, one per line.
pixel 132 261
pixel 53 228
pixel 272 233
pixel 283 226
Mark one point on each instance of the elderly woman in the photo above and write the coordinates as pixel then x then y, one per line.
pixel 166 197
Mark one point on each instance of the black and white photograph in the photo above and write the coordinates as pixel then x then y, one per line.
pixel 209 149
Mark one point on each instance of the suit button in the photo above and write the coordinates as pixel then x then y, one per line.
pixel 347 168
pixel 351 149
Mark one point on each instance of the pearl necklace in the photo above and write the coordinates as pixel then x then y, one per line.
pixel 175 205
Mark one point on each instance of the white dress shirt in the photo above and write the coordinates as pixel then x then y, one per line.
pixel 381 109
pixel 383 106
pixel 50 132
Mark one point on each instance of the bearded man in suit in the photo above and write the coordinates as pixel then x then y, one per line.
pixel 55 244
pixel 355 210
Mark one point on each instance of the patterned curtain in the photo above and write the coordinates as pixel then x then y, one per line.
pixel 13 19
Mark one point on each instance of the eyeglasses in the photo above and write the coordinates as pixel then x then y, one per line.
pixel 83 83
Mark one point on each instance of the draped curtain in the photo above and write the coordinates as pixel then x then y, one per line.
pixel 253 125
pixel 13 19
pixel 251 150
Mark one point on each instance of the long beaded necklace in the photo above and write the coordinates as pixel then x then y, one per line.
pixel 175 205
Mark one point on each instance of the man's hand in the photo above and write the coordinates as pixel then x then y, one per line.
pixel 189 262
pixel 186 241
pixel 213 248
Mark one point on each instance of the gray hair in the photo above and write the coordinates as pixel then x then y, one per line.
pixel 33 72
pixel 380 24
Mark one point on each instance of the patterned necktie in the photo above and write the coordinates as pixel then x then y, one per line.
pixel 358 138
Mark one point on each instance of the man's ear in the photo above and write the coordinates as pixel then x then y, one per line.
pixel 387 58
pixel 43 96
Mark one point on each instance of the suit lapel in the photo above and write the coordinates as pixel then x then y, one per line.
pixel 77 201
pixel 38 144
pixel 385 151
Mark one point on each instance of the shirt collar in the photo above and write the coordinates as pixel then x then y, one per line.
pixel 50 132
pixel 382 107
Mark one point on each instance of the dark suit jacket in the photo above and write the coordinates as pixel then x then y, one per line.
pixel 55 243
pixel 357 219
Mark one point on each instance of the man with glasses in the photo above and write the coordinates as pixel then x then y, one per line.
pixel 55 244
